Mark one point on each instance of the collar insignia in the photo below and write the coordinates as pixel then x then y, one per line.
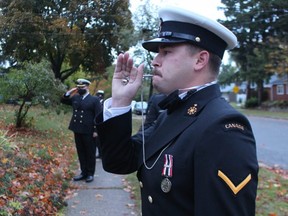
pixel 192 110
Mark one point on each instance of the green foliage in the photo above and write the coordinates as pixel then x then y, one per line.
pixel 282 104
pixel 70 34
pixel 15 205
pixel 30 85
pixel 251 102
pixel 258 23
pixel 5 143
pixel 228 75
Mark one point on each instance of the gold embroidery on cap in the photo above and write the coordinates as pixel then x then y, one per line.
pixel 192 110
pixel 230 183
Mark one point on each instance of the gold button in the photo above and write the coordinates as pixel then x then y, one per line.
pixel 76 110
pixel 150 199
pixel 141 184
pixel 82 111
pixel 198 39
pixel 81 116
pixel 80 121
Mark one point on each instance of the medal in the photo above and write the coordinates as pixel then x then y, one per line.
pixel 167 172
pixel 166 185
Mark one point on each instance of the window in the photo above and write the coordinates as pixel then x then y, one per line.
pixel 280 89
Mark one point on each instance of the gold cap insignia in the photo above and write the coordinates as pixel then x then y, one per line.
pixel 192 110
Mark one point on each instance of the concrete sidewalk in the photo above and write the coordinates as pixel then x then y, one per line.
pixel 105 196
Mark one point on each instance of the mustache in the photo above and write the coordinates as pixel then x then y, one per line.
pixel 156 72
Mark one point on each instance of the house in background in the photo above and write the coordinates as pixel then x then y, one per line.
pixel 276 90
pixel 279 89
pixel 235 93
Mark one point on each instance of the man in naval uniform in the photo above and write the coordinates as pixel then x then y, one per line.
pixel 85 109
pixel 199 158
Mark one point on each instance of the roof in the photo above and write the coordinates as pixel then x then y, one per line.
pixel 281 80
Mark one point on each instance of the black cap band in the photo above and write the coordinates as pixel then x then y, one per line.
pixel 172 32
pixel 194 34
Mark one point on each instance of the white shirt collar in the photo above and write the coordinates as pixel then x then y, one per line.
pixel 183 92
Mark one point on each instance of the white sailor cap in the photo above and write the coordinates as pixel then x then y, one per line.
pixel 82 82
pixel 179 25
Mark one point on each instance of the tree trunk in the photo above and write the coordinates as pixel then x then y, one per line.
pixel 248 91
pixel 19 118
pixel 259 91
pixel 21 114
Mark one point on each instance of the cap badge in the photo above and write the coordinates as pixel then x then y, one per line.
pixel 192 110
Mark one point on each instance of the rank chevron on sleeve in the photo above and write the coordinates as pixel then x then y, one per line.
pixel 234 188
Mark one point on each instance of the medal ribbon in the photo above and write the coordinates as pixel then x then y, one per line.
pixel 168 166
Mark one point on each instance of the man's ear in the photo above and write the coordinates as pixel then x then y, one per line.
pixel 202 60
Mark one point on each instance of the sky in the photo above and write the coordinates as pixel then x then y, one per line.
pixel 205 7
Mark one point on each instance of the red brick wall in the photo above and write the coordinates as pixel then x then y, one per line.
pixel 275 96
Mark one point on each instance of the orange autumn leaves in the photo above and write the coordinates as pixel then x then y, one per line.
pixel 34 176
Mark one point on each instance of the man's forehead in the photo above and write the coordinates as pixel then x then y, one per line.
pixel 163 46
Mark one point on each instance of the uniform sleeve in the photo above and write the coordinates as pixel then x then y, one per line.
pixel 226 169
pixel 110 112
pixel 119 152
pixel 65 99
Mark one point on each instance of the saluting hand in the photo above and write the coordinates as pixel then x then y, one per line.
pixel 126 81
pixel 72 91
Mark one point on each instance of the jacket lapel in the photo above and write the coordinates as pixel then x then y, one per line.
pixel 169 127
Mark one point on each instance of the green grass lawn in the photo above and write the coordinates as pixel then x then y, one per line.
pixel 262 113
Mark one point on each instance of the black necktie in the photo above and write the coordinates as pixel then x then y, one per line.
pixel 173 101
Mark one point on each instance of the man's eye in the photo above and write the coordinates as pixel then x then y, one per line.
pixel 166 51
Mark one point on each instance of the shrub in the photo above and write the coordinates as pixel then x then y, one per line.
pixel 251 102
pixel 5 143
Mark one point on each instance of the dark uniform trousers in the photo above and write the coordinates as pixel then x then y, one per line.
pixel 86 150
pixel 212 152
pixel 83 125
